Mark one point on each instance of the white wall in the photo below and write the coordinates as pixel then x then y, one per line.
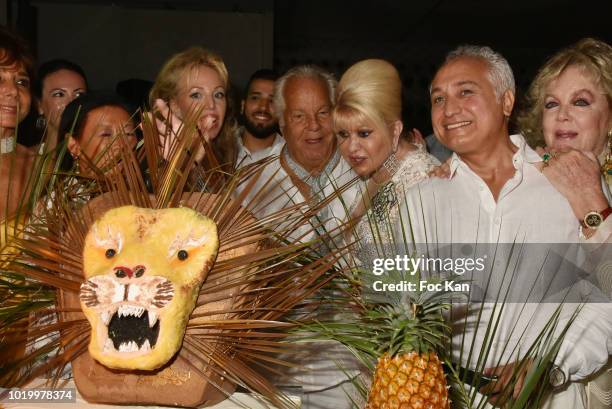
pixel 114 43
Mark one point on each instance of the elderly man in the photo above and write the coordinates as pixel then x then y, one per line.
pixel 258 136
pixel 309 167
pixel 496 193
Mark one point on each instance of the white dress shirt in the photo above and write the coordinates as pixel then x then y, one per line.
pixel 529 209
pixel 274 191
pixel 324 383
pixel 246 157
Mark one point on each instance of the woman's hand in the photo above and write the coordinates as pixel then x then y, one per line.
pixel 171 125
pixel 168 126
pixel 576 175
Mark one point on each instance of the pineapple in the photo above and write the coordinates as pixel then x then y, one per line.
pixel 409 373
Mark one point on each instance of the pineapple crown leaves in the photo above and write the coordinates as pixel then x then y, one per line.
pixel 409 327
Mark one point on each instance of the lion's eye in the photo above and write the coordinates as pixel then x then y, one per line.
pixel 182 255
pixel 110 253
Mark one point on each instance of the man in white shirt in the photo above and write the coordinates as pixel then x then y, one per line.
pixel 258 136
pixel 309 168
pixel 497 193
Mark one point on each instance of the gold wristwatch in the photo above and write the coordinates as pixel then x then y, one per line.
pixel 593 219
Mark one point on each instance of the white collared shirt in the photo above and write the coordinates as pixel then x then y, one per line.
pixel 529 209
pixel 274 190
pixel 246 157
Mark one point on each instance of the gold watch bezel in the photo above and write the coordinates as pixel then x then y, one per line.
pixel 592 219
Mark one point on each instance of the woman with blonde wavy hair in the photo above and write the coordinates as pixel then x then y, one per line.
pixel 569 109
pixel 194 84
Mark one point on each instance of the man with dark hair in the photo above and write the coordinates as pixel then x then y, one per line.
pixel 258 137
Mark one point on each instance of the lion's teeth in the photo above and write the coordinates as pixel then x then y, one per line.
pixel 105 316
pixel 133 346
pixel 124 347
pixel 141 311
pixel 108 345
pixel 146 346
pixel 152 318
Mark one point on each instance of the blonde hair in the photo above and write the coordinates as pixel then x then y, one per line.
pixel 166 83
pixel 590 54
pixel 166 88
pixel 370 90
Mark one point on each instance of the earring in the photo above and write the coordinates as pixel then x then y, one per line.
pixel 391 164
pixel 41 122
pixel 606 168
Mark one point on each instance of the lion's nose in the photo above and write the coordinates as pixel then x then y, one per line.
pixel 121 271
pixel 139 270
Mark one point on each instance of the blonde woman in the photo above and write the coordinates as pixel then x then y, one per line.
pixel 196 82
pixel 368 125
pixel 570 111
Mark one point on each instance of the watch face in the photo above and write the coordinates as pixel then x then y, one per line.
pixel 593 219
pixel 557 377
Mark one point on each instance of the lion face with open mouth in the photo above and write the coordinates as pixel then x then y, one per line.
pixel 143 270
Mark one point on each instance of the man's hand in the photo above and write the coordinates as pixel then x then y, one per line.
pixel 506 375
pixel 417 138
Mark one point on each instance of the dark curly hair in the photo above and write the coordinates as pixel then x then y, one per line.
pixel 14 50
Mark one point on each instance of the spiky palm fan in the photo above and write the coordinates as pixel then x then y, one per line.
pixel 236 328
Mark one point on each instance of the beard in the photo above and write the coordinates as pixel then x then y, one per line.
pixel 259 131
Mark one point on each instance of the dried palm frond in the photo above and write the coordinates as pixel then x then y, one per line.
pixel 240 321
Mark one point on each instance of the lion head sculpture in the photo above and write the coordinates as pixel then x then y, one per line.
pixel 143 270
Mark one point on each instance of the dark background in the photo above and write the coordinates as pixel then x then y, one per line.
pixel 129 39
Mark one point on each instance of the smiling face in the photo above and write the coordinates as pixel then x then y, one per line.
pixel 258 109
pixel 307 126
pixel 466 114
pixel 58 89
pixel 201 90
pixel 576 112
pixel 143 270
pixel 364 145
pixel 15 97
